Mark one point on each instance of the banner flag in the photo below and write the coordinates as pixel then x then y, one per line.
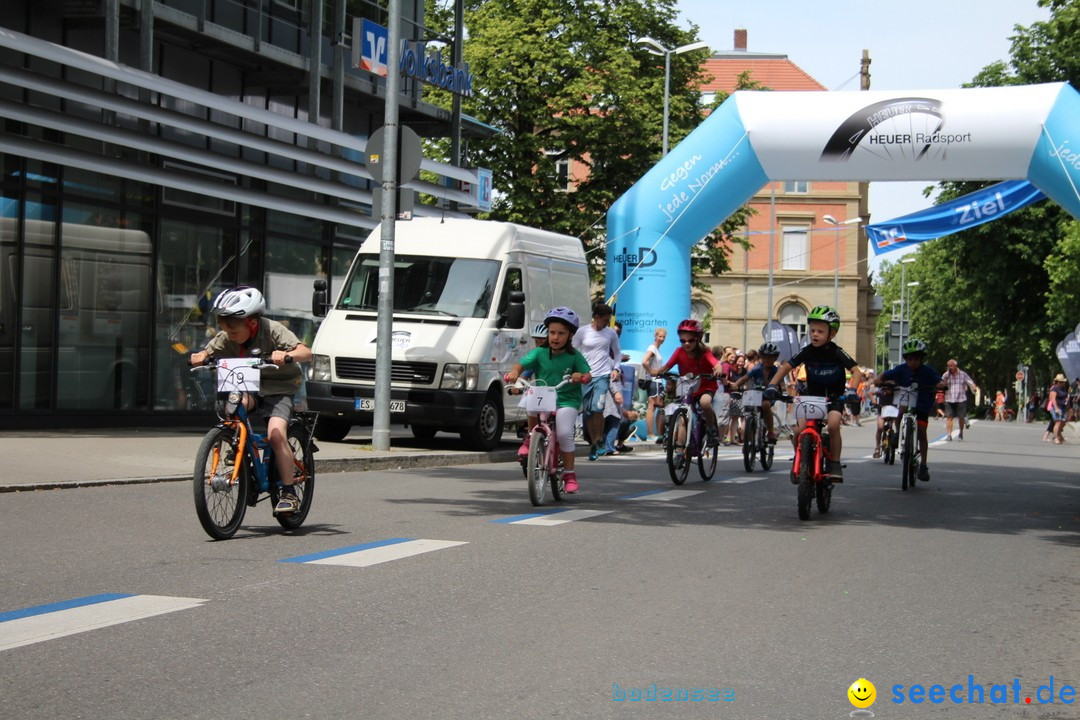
pixel 784 337
pixel 1072 351
pixel 962 213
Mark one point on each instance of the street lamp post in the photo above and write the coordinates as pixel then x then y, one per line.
pixel 836 272
pixel 903 297
pixel 910 301
pixel 657 49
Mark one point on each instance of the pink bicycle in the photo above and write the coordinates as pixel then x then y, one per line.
pixel 543 464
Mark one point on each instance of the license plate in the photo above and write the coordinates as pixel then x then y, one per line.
pixel 368 405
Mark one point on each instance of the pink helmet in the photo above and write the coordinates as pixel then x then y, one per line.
pixel 691 325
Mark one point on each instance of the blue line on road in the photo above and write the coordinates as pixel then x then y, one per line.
pixel 347 550
pixel 58 606
pixel 517 518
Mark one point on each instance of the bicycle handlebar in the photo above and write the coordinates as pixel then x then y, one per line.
pixel 523 384
pixel 212 365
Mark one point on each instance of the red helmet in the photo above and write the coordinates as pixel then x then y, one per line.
pixel 691 326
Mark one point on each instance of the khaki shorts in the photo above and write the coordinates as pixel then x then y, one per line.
pixel 279 406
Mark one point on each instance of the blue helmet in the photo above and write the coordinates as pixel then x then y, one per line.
pixel 563 314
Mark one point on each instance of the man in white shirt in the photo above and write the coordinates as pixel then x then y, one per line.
pixel 957 383
pixel 599 343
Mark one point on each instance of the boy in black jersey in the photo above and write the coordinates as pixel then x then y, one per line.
pixel 826 365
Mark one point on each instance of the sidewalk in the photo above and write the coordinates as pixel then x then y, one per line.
pixel 42 459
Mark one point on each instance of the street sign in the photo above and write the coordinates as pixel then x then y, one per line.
pixel 409 154
pixel 1019 376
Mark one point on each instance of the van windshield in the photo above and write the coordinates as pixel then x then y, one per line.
pixel 455 287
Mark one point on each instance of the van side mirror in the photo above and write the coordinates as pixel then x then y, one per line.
pixel 515 310
pixel 318 299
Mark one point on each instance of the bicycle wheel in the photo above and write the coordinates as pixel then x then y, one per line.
pixel 806 475
pixel 538 474
pixel 749 445
pixel 303 475
pixel 677 461
pixel 916 460
pixel 707 459
pixel 558 484
pixel 907 444
pixel 892 440
pixel 220 503
pixel 824 496
pixel 767 452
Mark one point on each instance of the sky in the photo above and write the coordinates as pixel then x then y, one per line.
pixel 914 45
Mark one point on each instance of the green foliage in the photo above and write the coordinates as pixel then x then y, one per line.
pixel 1005 292
pixel 565 80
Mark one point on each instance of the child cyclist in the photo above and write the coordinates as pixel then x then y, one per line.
pixel 914 370
pixel 759 377
pixel 694 357
pixel 245 332
pixel 826 363
pixel 550 364
pixel 884 397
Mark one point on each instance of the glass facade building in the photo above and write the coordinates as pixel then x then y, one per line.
pixel 153 153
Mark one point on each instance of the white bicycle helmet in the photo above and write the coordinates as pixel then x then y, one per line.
pixel 239 302
pixel 539 330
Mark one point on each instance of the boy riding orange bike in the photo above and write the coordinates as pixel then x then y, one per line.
pixel 246 333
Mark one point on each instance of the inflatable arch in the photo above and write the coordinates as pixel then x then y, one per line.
pixel 1023 132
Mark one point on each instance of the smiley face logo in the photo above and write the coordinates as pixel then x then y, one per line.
pixel 862 693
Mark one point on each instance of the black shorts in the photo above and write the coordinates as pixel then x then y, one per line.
pixel 956 409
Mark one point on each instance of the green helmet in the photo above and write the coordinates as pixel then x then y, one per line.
pixel 913 346
pixel 825 313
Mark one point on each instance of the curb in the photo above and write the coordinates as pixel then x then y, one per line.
pixel 332 465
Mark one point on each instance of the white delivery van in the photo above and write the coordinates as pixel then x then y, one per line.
pixel 466 294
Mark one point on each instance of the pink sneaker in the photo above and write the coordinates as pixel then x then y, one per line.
pixel 570 480
pixel 523 451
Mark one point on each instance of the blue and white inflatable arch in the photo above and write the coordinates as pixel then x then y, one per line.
pixel 1025 132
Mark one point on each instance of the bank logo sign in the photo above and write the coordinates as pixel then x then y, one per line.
pixel 374 41
pixel 371 53
pixel 908 128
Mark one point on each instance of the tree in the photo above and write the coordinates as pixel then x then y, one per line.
pixel 564 80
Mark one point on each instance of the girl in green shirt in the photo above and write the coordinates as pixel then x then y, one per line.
pixel 549 366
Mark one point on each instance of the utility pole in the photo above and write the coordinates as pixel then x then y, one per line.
pixel 380 431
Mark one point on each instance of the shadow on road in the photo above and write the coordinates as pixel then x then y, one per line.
pixel 961 497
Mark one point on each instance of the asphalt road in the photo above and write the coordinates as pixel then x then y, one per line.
pixel 967 582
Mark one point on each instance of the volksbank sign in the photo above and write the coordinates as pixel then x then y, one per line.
pixel 416 62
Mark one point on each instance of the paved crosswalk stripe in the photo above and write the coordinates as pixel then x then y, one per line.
pixel 553 517
pixel 47 622
pixel 742 480
pixel 662 495
pixel 374 553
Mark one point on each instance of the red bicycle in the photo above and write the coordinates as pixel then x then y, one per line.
pixel 810 471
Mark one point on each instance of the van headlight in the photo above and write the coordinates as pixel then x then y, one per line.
pixel 320 368
pixel 458 376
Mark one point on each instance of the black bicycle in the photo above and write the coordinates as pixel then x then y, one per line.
pixel 755 436
pixel 686 436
